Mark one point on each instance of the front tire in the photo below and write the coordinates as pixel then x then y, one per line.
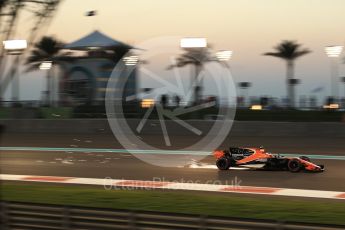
pixel 294 165
pixel 223 163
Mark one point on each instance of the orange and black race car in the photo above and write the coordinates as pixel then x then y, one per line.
pixel 258 158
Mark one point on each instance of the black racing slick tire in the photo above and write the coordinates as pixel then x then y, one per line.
pixel 305 158
pixel 294 165
pixel 223 163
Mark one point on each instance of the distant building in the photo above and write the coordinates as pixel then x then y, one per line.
pixel 84 79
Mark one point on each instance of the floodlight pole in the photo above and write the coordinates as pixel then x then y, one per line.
pixel 195 43
pixel 15 81
pixel 334 52
pixel 244 86
pixel 224 56
pixel 197 86
pixel 343 80
pixel 334 78
pixel 15 47
pixel 50 97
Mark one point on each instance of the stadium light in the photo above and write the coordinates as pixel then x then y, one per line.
pixel 333 51
pixel 256 107
pixel 331 106
pixel 147 103
pixel 46 65
pixel 15 47
pixel 15 44
pixel 193 43
pixel 224 55
pixel 131 60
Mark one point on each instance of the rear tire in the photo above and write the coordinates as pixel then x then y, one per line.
pixel 294 165
pixel 223 163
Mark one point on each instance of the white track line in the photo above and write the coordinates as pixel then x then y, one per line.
pixel 109 183
pixel 210 166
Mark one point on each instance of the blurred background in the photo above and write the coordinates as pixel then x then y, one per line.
pixel 308 73
pixel 99 100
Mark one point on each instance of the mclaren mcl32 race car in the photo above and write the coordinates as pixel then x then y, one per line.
pixel 258 158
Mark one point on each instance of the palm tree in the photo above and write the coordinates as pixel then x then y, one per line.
pixel 46 50
pixel 196 57
pixel 289 51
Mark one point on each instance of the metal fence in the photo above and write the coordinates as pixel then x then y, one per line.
pixel 17 215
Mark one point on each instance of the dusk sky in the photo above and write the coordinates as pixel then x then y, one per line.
pixel 248 28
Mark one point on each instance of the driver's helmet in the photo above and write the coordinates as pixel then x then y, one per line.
pixel 262 149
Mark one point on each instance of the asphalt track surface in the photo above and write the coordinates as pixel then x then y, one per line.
pixel 126 166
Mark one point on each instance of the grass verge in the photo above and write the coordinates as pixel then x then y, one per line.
pixel 232 205
pixel 56 113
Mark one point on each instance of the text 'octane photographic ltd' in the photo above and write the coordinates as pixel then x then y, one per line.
pixel 162 183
